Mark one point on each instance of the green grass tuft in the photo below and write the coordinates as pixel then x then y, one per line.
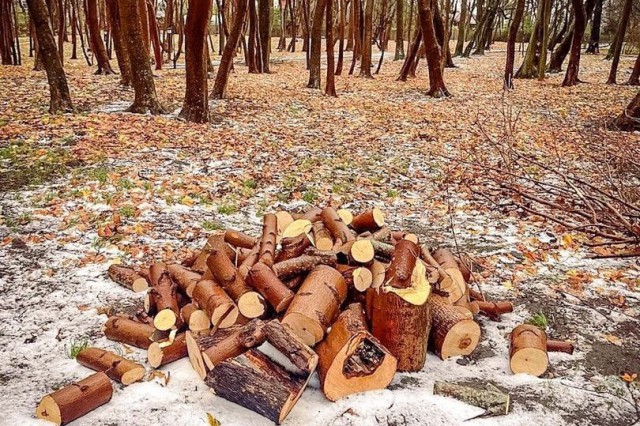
pixel 77 346
pixel 539 320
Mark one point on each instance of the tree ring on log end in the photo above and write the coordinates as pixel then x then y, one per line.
pixel 461 339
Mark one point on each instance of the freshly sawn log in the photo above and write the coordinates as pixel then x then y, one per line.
pixel 74 401
pixel 116 367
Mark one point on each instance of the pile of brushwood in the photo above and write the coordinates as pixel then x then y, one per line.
pixel 322 291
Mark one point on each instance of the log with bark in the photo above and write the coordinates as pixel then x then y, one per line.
pixel 352 360
pixel 528 350
pixel 452 333
pixel 129 332
pixel 492 399
pixel 127 277
pixel 317 302
pixel 162 353
pixel 164 293
pixel 116 367
pixel 74 401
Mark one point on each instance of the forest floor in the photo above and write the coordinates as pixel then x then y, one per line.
pixel 67 180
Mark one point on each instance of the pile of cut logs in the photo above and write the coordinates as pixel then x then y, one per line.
pixel 322 291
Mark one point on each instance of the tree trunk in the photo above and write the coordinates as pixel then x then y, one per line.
pixel 452 333
pixel 629 120
pixel 230 47
pixel 154 33
pixel 330 85
pixel 542 62
pixel 264 8
pixel 528 69
pixel 196 99
pixel 411 57
pixel 561 52
pixel 119 43
pixel 573 68
pixel 594 39
pixel 253 34
pixel 367 37
pixel 399 30
pixel 343 6
pixel 511 44
pixel 620 33
pixel 61 29
pixel 60 100
pixel 316 42
pixel 144 87
pixel 100 52
pixel 634 78
pixel 437 88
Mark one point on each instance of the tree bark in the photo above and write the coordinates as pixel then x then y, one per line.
pixel 145 99
pixel 352 360
pixel 230 47
pixel 154 34
pixel 437 88
pixel 629 119
pixel 511 44
pixel 528 350
pixel 542 62
pixel 399 31
pixel 196 98
pixel 75 400
pixel 315 305
pixel 264 8
pixel 119 44
pixel 573 68
pixel 330 85
pixel 316 42
pixel 634 78
pixel 100 52
pixel 620 33
pixel 594 39
pixel 367 37
pixel 462 27
pixel 60 99
pixel 116 367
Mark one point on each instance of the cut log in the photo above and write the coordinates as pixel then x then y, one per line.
pixel 359 277
pixel 368 221
pixel 351 360
pixel 200 264
pixel 528 350
pixel 262 278
pixel 378 273
pixel 359 252
pixel 316 304
pixel 184 277
pixel 129 332
pixel 239 239
pixel 382 235
pixel 163 353
pixel 493 309
pixel 249 302
pixel 383 250
pixel 494 401
pixel 322 237
pixel 336 226
pixel 235 343
pixel 401 327
pixel 291 346
pixel 450 277
pixel 268 241
pixel 196 319
pixel 74 401
pixel 452 333
pixel 397 236
pixel 402 263
pixel 297 228
pixel 312 215
pixel 345 215
pixel 248 262
pixel 298 265
pixel 560 346
pixel 283 219
pixel 476 295
pixel 128 278
pixel 116 367
pixel 292 247
pixel 165 298
pixel 216 303
pixel 257 383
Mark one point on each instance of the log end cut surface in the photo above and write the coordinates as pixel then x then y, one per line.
pixel 461 339
pixel 532 361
